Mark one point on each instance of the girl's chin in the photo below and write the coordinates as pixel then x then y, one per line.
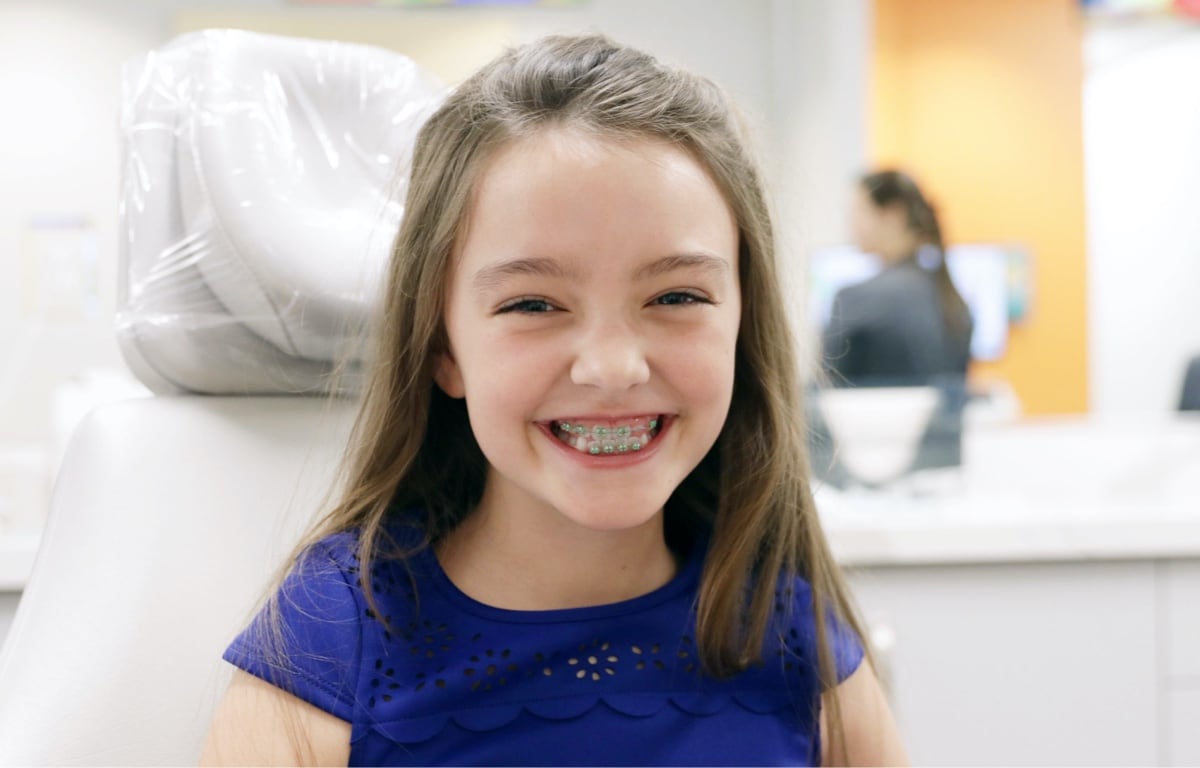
pixel 612 518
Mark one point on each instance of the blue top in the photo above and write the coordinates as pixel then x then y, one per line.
pixel 451 681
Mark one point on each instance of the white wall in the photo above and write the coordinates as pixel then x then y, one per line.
pixel 59 86
pixel 59 65
pixel 821 51
pixel 1142 159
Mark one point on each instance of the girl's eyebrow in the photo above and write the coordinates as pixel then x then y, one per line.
pixel 706 262
pixel 495 275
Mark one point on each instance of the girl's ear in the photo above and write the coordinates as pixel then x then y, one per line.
pixel 448 376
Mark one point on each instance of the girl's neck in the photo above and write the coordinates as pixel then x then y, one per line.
pixel 527 566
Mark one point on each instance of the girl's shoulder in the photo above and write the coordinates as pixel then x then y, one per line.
pixel 397 540
pixel 315 629
pixel 795 627
pixel 401 532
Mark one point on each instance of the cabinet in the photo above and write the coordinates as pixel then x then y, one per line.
pixel 1183 726
pixel 1181 623
pixel 1021 664
pixel 1181 600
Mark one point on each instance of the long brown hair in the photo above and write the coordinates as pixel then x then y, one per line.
pixel 891 187
pixel 752 489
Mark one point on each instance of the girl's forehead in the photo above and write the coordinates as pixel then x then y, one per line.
pixel 550 165
pixel 585 150
pixel 562 188
pixel 563 159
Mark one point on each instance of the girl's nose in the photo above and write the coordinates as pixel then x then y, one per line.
pixel 611 359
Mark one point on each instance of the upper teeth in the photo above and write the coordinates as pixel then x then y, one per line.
pixel 607 438
pixel 599 430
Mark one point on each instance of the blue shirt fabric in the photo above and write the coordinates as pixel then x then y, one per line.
pixel 437 678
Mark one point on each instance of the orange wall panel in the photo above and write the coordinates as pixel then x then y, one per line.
pixel 982 101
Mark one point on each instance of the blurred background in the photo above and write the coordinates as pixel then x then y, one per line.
pixel 1058 140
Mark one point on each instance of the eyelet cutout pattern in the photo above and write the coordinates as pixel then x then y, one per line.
pixel 591 664
pixel 440 658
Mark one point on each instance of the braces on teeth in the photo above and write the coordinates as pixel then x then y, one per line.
pixel 608 440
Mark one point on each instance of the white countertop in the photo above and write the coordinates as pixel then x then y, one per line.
pixel 883 530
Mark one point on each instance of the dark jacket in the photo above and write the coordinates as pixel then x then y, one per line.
pixel 889 331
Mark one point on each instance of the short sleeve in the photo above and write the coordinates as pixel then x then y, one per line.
pixel 307 640
pixel 847 648
pixel 843 640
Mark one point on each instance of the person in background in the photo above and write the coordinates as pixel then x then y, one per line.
pixel 908 325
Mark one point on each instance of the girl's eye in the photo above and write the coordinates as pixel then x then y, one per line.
pixel 681 297
pixel 526 307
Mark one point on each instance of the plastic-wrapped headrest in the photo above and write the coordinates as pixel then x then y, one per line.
pixel 263 179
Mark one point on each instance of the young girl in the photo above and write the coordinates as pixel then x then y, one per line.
pixel 577 526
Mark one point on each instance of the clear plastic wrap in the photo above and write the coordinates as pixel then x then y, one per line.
pixel 263 179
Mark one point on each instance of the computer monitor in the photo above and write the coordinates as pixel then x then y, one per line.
pixel 991 277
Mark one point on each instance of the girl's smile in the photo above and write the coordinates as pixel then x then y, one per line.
pixel 607 436
pixel 608 443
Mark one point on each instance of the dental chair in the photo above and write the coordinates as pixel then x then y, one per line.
pixel 262 186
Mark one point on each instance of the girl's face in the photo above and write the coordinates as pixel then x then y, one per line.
pixel 592 312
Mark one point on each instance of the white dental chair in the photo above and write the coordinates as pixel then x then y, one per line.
pixel 262 181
